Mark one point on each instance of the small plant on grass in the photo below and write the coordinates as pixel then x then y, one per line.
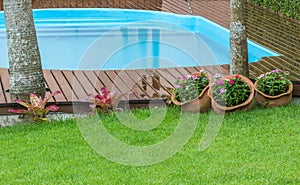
pixel 36 108
pixel 274 82
pixel 105 101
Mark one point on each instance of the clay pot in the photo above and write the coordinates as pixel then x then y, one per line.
pixel 278 100
pixel 245 106
pixel 200 104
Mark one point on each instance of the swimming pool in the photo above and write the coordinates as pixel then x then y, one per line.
pixel 94 38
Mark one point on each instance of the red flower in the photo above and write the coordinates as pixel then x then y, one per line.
pixel 237 76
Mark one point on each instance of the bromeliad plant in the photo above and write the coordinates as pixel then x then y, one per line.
pixel 105 101
pixel 190 86
pixel 36 107
pixel 274 82
pixel 230 92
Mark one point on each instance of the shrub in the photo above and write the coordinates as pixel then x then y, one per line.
pixel 288 8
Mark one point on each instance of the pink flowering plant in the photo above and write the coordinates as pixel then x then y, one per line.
pixel 230 92
pixel 274 82
pixel 190 86
pixel 36 107
pixel 105 100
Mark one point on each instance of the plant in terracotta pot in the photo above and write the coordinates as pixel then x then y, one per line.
pixel 191 92
pixel 231 93
pixel 273 88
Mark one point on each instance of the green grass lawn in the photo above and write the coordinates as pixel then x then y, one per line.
pixel 257 147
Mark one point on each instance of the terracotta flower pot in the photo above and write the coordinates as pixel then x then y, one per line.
pixel 200 104
pixel 267 100
pixel 245 106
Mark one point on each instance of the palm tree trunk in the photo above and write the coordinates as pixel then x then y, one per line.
pixel 26 75
pixel 238 39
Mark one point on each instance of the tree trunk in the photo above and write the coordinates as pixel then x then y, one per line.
pixel 238 39
pixel 26 75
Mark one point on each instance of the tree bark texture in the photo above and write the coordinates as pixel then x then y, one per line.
pixel 26 74
pixel 238 39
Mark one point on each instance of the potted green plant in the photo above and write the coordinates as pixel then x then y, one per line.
pixel 231 93
pixel 191 92
pixel 273 88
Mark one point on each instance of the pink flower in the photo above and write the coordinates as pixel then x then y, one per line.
pixel 53 108
pixel 185 77
pixel 275 71
pixel 220 82
pixel 177 86
pixel 260 76
pixel 195 77
pixel 231 82
pixel 104 96
pixel 217 75
pixel 104 91
pixel 222 91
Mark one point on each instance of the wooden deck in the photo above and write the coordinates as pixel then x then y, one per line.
pixel 145 85
pixel 264 27
pixel 214 10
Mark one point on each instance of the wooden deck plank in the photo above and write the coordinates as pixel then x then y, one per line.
pixel 139 87
pixel 105 80
pixel 131 83
pixel 183 71
pixel 276 63
pixel 53 86
pixel 156 78
pixel 78 90
pixel 274 44
pixel 217 11
pixel 175 7
pixel 173 72
pixel 147 83
pixel 225 68
pixel 93 78
pixel 85 83
pixel 108 82
pixel 157 83
pixel 2 93
pixel 128 82
pixel 5 83
pixel 167 77
pixel 164 84
pixel 191 69
pixel 66 89
pixel 212 70
pixel 118 83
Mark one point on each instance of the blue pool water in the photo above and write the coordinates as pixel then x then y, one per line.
pixel 132 39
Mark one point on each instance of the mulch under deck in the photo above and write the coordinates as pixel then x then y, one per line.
pixel 264 27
